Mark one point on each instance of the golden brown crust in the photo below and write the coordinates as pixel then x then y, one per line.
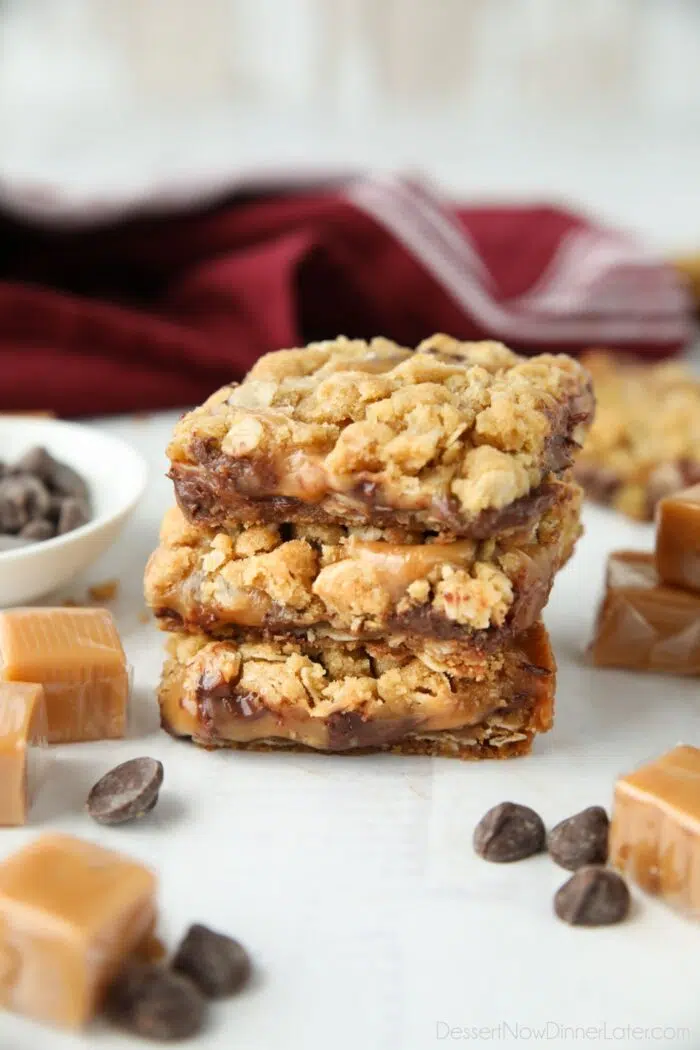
pixel 339 697
pixel 358 582
pixel 451 436
pixel 645 441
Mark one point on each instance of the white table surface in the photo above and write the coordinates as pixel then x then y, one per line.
pixel 352 880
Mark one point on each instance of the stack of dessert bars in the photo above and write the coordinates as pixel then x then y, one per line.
pixel 364 541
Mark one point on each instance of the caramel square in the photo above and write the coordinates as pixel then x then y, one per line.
pixel 644 625
pixel 70 913
pixel 23 733
pixel 77 655
pixel 655 831
pixel 678 539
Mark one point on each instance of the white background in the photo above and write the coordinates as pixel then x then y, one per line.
pixel 595 103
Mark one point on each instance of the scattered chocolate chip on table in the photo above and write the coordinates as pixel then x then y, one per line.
pixel 219 965
pixel 509 832
pixel 581 839
pixel 127 792
pixel 593 896
pixel 155 1003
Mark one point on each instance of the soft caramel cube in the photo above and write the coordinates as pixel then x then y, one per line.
pixel 23 732
pixel 678 539
pixel 655 830
pixel 644 625
pixel 77 655
pixel 70 913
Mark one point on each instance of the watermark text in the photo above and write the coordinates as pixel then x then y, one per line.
pixel 603 1032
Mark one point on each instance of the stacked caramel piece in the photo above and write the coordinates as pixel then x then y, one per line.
pixel 649 619
pixel 365 539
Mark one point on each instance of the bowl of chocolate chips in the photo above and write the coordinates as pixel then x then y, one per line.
pixel 66 490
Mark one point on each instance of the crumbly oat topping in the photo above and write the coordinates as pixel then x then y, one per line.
pixel 468 423
pixel 372 679
pixel 335 696
pixel 645 441
pixel 357 580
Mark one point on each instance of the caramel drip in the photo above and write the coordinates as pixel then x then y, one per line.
pixel 400 565
pixel 245 608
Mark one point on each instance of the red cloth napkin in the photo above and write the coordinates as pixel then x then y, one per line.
pixel 149 311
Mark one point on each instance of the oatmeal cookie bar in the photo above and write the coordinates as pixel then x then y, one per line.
pixel 359 582
pixel 645 441
pixel 455 436
pixel 347 697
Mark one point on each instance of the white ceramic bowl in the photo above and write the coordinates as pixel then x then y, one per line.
pixel 116 475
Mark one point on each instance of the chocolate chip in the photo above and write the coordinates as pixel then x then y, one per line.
pixel 40 495
pixel 593 897
pixel 218 965
pixel 127 792
pixel 22 498
pixel 12 517
pixel 36 461
pixel 581 839
pixel 55 505
pixel 509 832
pixel 155 1003
pixel 57 476
pixel 74 513
pixel 67 482
pixel 37 530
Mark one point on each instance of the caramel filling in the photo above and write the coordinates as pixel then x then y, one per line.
pixel 245 608
pixel 398 566
pixel 214 710
pixel 241 720
pixel 300 475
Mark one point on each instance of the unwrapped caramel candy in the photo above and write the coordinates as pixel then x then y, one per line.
pixel 23 733
pixel 644 625
pixel 655 831
pixel 77 655
pixel 678 539
pixel 70 914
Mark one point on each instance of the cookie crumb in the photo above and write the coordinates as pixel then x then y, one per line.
pixel 104 592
